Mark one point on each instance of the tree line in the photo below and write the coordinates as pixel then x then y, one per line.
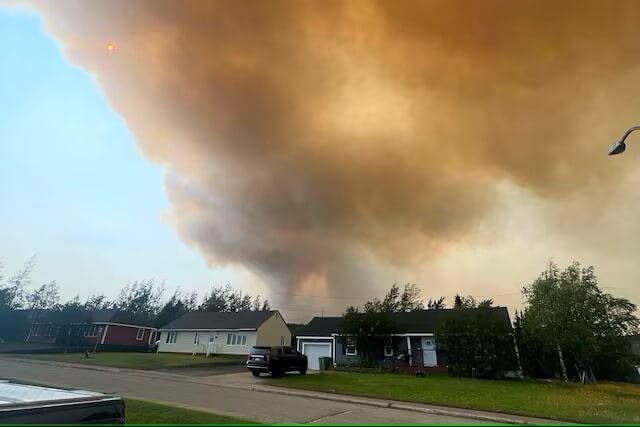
pixel 143 298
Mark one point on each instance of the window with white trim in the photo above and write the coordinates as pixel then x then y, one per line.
pixel 234 339
pixel 388 347
pixel 93 331
pixel 140 334
pixel 172 337
pixel 350 347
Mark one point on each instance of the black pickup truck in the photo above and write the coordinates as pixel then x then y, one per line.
pixel 29 404
pixel 276 360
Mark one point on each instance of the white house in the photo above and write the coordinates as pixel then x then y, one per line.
pixel 224 333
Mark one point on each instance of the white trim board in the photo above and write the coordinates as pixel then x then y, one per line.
pixel 120 324
pixel 104 334
pixel 411 334
pixel 314 338
pixel 206 330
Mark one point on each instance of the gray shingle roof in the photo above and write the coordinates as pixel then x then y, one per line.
pixel 215 320
pixel 107 315
pixel 419 321
pixel 320 327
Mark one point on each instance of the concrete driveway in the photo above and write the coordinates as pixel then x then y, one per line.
pixel 207 393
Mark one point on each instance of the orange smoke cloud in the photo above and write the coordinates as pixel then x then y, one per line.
pixel 298 135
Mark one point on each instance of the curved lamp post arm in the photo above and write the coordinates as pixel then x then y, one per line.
pixel 628 132
pixel 619 146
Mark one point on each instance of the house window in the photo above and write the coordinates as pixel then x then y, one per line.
pixel 196 339
pixel 388 348
pixel 350 347
pixel 233 339
pixel 140 334
pixel 92 331
pixel 172 337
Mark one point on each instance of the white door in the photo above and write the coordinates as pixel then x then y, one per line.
pixel 211 346
pixel 429 352
pixel 315 351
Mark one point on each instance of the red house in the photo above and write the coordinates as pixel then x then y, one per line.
pixel 102 329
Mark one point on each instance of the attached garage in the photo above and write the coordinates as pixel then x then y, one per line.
pixel 315 350
pixel 318 339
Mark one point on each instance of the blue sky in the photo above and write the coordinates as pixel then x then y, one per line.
pixel 73 188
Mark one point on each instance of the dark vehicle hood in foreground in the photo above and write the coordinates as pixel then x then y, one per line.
pixel 22 403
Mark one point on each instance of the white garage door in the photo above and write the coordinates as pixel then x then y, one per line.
pixel 314 351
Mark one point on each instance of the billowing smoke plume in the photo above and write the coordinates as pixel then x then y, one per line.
pixel 299 137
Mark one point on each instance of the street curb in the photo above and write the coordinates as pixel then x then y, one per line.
pixel 139 372
pixel 62 364
pixel 342 398
pixel 451 413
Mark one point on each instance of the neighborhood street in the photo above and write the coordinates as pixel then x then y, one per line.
pixel 254 405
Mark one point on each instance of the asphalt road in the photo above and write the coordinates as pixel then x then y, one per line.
pixel 254 405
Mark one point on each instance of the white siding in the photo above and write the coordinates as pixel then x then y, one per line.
pixel 185 339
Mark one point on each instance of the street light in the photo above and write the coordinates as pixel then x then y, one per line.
pixel 619 146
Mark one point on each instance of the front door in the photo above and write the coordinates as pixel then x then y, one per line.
pixel 211 346
pixel 429 352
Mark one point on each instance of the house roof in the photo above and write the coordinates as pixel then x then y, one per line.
pixel 320 327
pixel 219 320
pixel 418 321
pixel 92 316
pixel 117 316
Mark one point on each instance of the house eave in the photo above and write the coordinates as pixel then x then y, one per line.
pixel 207 329
pixel 409 334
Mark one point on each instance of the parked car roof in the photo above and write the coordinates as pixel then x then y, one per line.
pixel 218 320
pixel 417 321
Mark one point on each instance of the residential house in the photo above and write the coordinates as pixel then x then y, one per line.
pixel 414 345
pixel 224 333
pixel 104 329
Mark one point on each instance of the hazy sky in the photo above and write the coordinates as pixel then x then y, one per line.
pixel 74 189
pixel 319 151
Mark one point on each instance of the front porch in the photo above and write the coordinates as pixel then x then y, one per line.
pixel 403 352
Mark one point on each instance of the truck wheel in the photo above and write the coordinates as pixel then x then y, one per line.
pixel 255 373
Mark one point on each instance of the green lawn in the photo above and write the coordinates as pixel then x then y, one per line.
pixel 603 402
pixel 137 360
pixel 145 412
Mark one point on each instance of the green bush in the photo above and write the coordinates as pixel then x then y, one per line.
pixel 477 345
